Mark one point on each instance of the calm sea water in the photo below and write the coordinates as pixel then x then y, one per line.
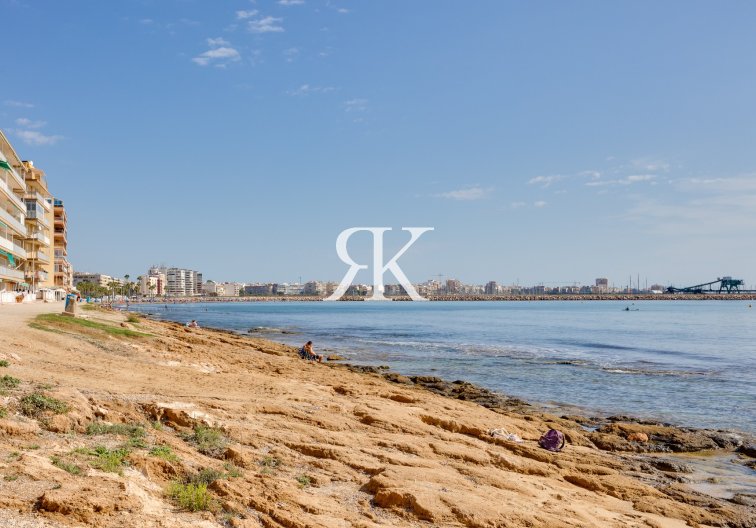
pixel 690 363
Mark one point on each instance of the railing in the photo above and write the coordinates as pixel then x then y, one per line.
pixel 39 255
pixel 12 273
pixel 12 221
pixel 12 247
pixel 41 237
pixel 35 195
pixel 15 199
pixel 39 216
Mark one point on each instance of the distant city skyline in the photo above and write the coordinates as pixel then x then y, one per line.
pixel 545 143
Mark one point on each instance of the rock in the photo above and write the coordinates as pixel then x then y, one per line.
pixel 124 325
pixel 397 378
pixel 744 499
pixel 637 437
pixel 748 450
pixel 335 357
pixel 725 440
pixel 240 457
pixel 669 466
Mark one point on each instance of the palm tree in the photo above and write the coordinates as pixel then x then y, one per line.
pixel 152 289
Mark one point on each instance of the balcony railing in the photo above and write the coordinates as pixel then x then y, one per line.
pixel 11 273
pixel 41 237
pixel 11 195
pixel 16 223
pixel 11 246
pixel 34 195
pixel 37 215
pixel 39 255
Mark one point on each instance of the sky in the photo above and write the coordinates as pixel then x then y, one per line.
pixel 545 142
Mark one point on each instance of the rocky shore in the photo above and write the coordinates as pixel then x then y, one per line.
pixel 107 421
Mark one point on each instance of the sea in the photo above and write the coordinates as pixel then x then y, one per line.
pixel 689 363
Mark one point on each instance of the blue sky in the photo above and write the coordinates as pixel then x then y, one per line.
pixel 544 141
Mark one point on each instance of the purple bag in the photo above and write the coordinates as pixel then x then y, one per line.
pixel 553 440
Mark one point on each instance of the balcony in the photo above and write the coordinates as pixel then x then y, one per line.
pixel 10 194
pixel 9 273
pixel 38 215
pixel 14 222
pixel 40 237
pixel 39 255
pixel 9 245
pixel 34 196
pixel 36 276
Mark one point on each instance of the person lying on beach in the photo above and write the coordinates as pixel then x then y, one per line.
pixel 306 353
pixel 192 324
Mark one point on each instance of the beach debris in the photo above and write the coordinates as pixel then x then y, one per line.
pixel 552 440
pixel 505 435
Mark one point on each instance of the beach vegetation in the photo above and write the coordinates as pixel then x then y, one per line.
pixel 165 452
pixel 9 382
pixel 133 318
pixel 205 476
pixel 208 440
pixel 304 481
pixel 53 321
pixel 58 462
pixel 232 470
pixel 105 459
pixel 3 412
pixel 134 432
pixel 190 496
pixel 10 478
pixel 269 464
pixel 37 403
pixel 4 363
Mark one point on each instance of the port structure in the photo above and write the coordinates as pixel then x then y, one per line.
pixel 725 284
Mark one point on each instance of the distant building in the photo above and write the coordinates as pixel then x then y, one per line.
pixel 182 282
pixel 288 289
pixel 314 288
pixel 149 285
pixel 94 278
pixel 492 288
pixel 62 270
pixel 453 286
pixel 602 285
pixel 259 289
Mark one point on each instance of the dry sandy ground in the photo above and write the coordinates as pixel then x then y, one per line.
pixel 301 444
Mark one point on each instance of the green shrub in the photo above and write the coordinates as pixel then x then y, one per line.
pixel 304 481
pixel 204 476
pixel 232 470
pixel 73 469
pixel 36 403
pixel 209 441
pixel 134 432
pixel 3 412
pixel 165 452
pixel 9 382
pixel 269 464
pixel 132 318
pixel 192 497
pixel 4 363
pixel 104 459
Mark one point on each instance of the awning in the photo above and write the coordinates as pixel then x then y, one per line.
pixel 4 165
pixel 9 256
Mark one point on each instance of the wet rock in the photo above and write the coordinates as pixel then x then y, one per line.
pixel 335 357
pixel 397 378
pixel 725 439
pixel 748 450
pixel 637 437
pixel 669 466
pixel 744 499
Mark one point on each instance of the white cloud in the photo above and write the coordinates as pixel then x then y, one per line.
pixel 628 180
pixel 220 54
pixel 545 181
pixel 342 10
pixel 242 14
pixel 539 203
pixel 470 193
pixel 34 137
pixel 18 104
pixel 266 24
pixel 306 89
pixel 651 165
pixel 356 105
pixel 28 123
pixel 146 21
pixel 517 205
pixel 290 2
pixel 217 42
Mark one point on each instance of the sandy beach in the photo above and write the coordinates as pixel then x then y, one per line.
pixel 146 406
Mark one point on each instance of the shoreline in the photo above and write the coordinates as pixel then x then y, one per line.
pixel 469 298
pixel 318 445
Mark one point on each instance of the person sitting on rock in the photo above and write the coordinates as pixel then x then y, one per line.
pixel 306 353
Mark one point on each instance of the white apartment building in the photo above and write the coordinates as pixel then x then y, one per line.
pixel 13 232
pixel 180 282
